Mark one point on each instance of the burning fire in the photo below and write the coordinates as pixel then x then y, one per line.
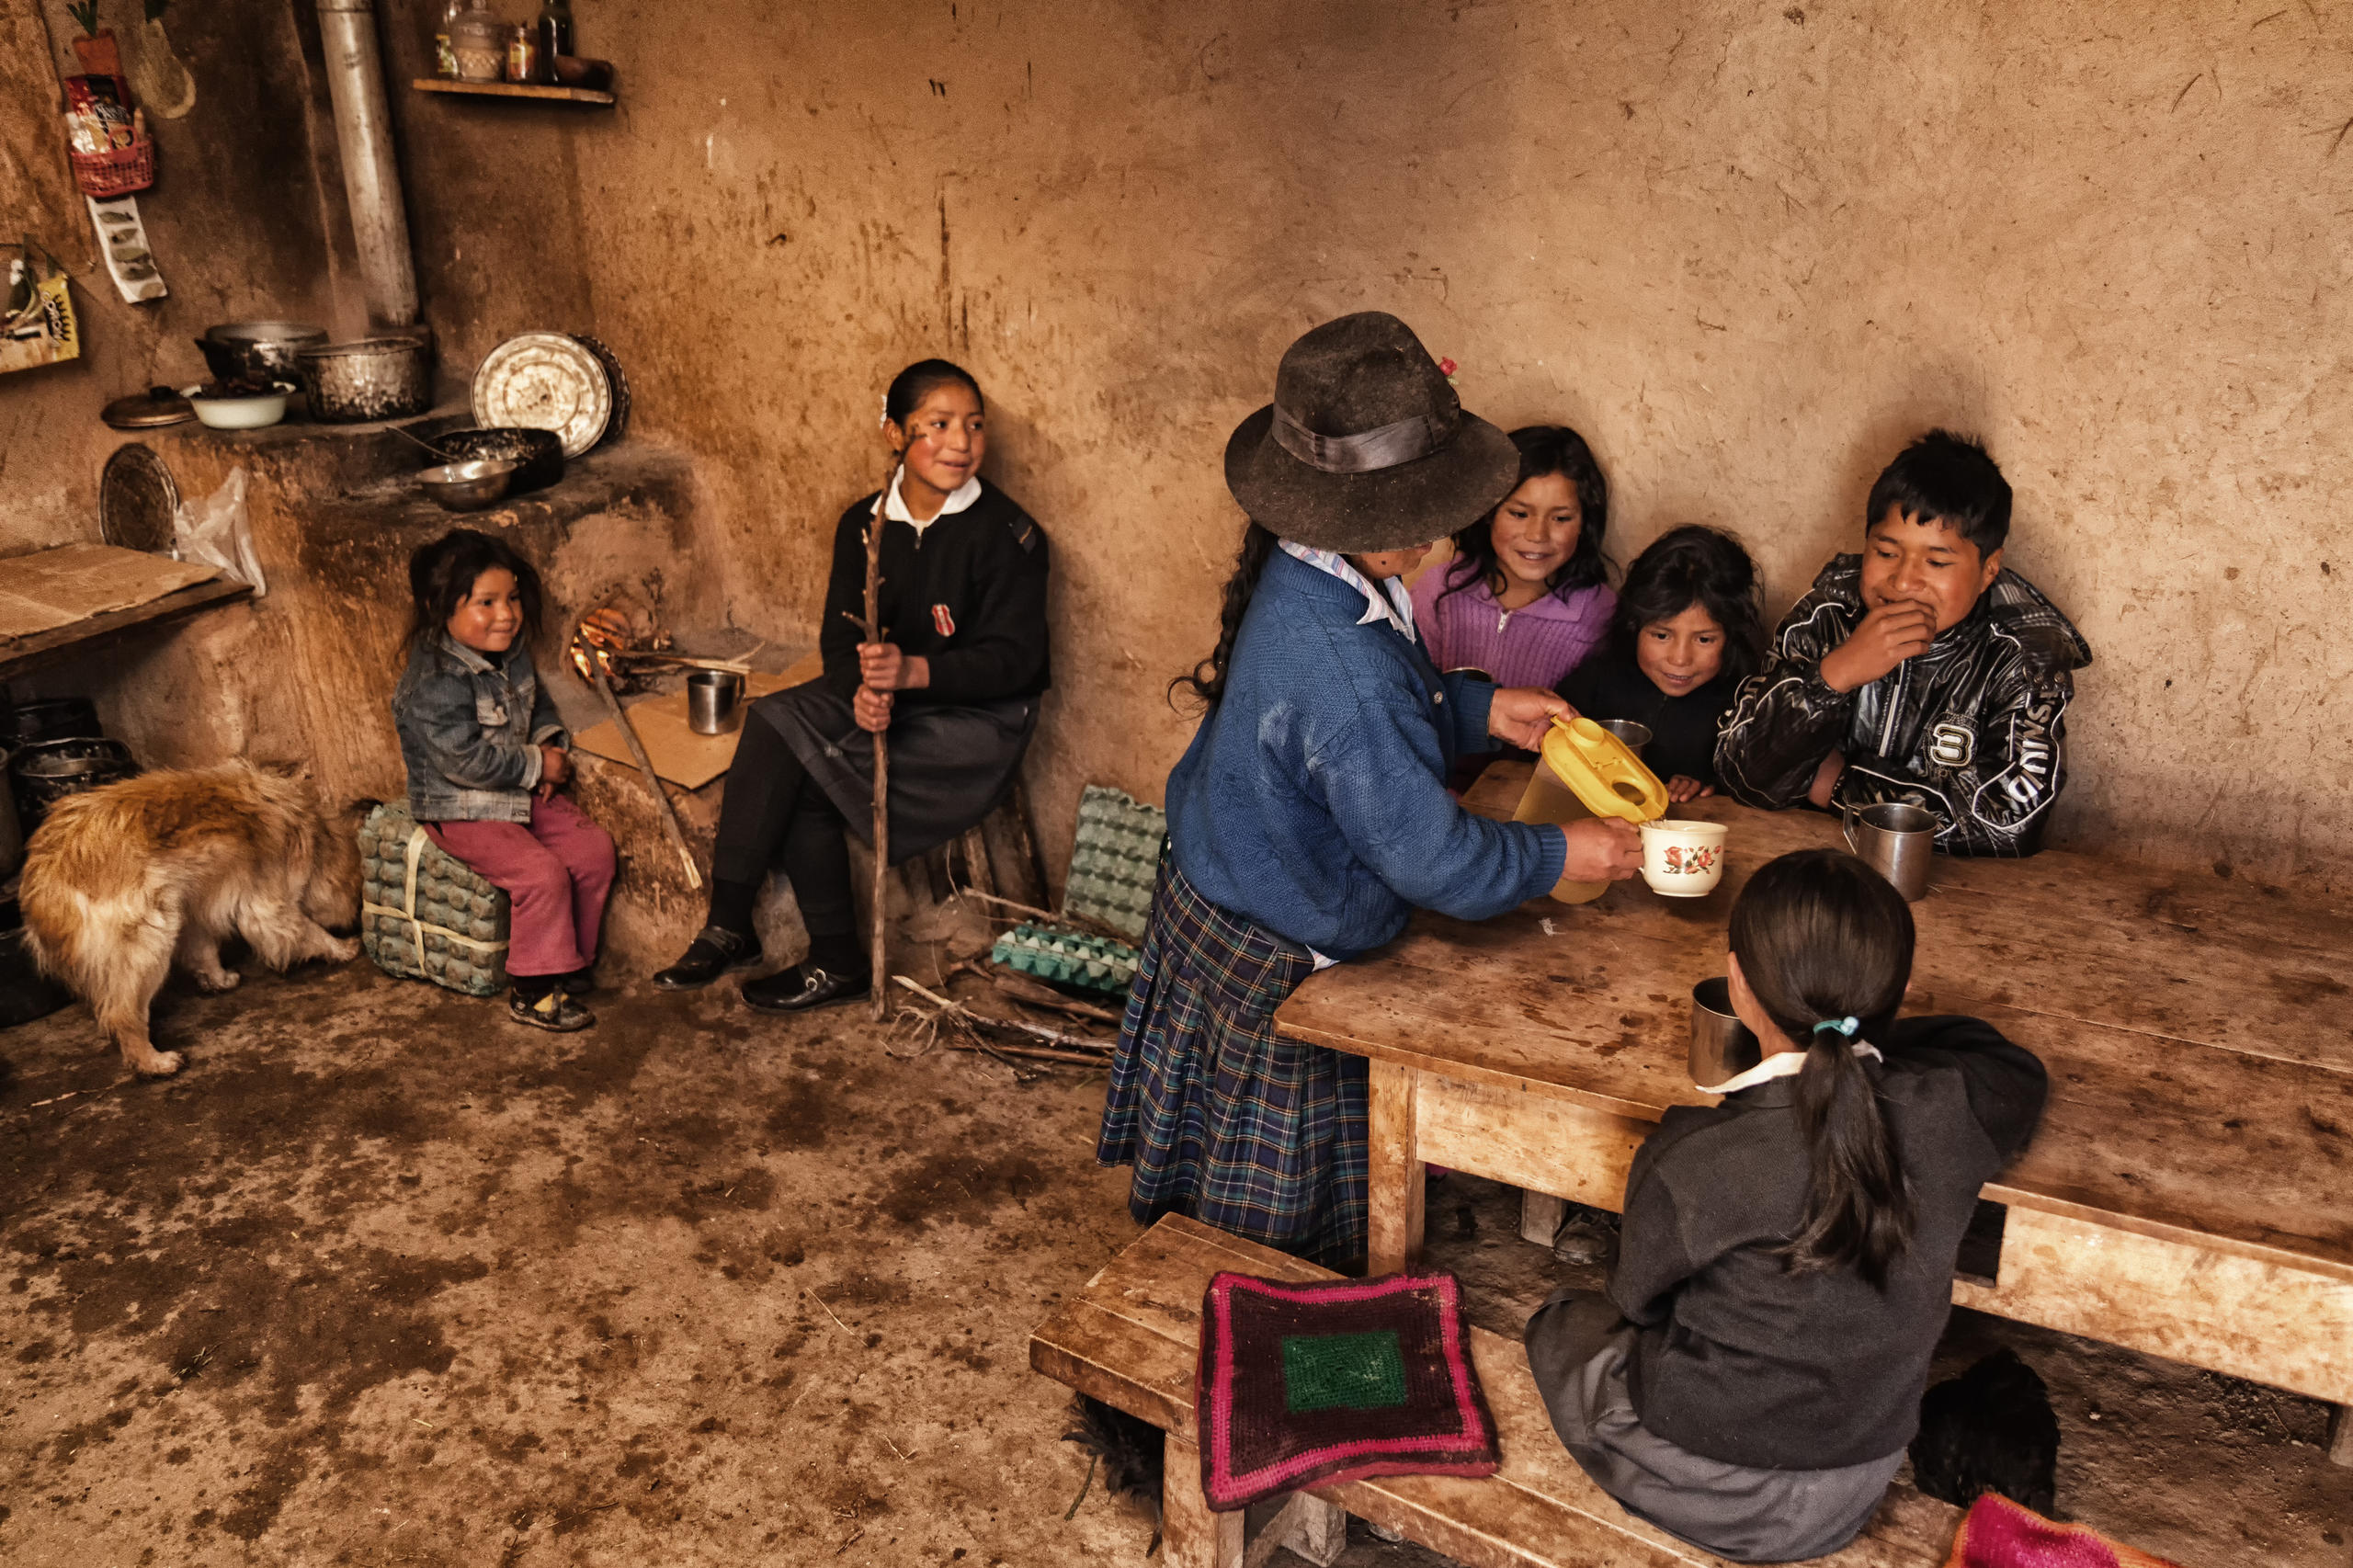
pixel 602 633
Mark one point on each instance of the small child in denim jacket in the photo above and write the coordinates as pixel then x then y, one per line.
pixel 485 755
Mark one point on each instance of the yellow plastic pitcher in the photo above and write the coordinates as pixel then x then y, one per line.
pixel 1588 772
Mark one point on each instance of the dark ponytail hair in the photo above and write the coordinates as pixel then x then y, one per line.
pixel 1695 565
pixel 1207 678
pixel 1543 449
pixel 912 385
pixel 1820 936
pixel 441 576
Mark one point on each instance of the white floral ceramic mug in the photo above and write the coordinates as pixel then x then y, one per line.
pixel 1683 859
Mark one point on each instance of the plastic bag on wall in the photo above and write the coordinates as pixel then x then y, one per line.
pixel 217 532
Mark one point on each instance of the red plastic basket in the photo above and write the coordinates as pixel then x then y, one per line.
pixel 118 173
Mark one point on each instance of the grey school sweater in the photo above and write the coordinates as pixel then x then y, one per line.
pixel 1739 1359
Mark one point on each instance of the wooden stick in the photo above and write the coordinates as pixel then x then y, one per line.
pixel 731 667
pixel 1022 988
pixel 1077 921
pixel 878 954
pixel 646 765
pixel 967 1015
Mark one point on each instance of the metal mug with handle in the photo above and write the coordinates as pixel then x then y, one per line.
pixel 1895 840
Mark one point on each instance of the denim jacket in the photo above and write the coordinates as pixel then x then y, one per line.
pixel 470 726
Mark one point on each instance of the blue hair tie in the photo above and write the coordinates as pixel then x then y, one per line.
pixel 1846 1025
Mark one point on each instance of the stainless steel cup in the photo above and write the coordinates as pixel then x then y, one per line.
pixel 1722 1046
pixel 714 701
pixel 1636 736
pixel 1897 841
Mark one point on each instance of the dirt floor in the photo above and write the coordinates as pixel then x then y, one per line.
pixel 382 1279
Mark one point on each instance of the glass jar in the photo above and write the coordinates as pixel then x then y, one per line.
pixel 477 42
pixel 523 60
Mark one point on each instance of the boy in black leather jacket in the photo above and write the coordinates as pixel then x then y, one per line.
pixel 1919 671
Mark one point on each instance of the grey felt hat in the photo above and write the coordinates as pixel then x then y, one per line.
pixel 1366 447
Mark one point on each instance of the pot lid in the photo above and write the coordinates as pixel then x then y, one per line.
pixel 150 410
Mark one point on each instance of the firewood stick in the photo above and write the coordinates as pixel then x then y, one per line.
pixel 1028 1052
pixel 967 1015
pixel 1023 988
pixel 646 765
pixel 731 667
pixel 1075 922
pixel 877 956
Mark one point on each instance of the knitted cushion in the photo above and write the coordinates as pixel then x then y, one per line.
pixel 1301 1385
pixel 425 914
pixel 2000 1534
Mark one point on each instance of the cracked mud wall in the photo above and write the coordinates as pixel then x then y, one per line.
pixel 1748 251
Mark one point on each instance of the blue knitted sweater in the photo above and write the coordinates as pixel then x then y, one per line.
pixel 1313 800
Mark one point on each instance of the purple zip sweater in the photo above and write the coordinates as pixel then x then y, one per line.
pixel 1535 645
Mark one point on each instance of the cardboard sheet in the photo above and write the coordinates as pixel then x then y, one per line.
pixel 680 755
pixel 50 588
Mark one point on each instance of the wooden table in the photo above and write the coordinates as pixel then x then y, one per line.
pixel 2190 1192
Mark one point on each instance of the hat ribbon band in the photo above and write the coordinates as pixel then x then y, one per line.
pixel 1388 445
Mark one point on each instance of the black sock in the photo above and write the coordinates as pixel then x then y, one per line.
pixel 836 954
pixel 731 906
pixel 531 987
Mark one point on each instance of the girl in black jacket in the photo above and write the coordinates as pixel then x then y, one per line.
pixel 1754 1372
pixel 955 682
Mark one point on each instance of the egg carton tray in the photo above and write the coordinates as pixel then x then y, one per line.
pixel 1115 860
pixel 1065 959
pixel 426 914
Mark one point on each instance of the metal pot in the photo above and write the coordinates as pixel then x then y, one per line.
pixel 257 350
pixel 376 378
pixel 538 455
pixel 43 774
pixel 51 719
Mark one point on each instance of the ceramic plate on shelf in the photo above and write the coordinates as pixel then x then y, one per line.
pixel 136 500
pixel 617 426
pixel 545 381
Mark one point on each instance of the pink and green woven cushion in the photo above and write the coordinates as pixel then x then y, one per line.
pixel 1305 1385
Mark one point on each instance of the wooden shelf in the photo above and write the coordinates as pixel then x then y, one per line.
pixel 512 90
pixel 21 655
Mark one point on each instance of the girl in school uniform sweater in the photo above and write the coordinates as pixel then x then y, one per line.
pixel 1310 814
pixel 1752 1376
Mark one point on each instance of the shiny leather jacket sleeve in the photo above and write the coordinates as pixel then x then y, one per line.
pixel 1784 720
pixel 1990 780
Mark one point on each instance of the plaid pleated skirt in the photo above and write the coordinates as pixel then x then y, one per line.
pixel 1222 1122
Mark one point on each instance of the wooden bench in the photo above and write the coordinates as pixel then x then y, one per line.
pixel 1131 1338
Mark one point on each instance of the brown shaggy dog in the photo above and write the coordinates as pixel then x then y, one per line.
pixel 122 881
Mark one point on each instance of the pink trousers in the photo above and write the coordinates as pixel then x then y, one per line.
pixel 555 872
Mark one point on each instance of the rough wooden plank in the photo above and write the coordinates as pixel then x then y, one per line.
pixel 60 644
pixel 2188 956
pixel 1393 1241
pixel 1193 1535
pixel 1543 1145
pixel 1540 1216
pixel 1131 1340
pixel 2252 1319
pixel 2178 1142
pixel 590 96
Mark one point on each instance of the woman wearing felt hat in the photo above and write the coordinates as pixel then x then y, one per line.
pixel 1310 814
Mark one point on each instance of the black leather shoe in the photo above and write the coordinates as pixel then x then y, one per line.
pixel 801 988
pixel 712 953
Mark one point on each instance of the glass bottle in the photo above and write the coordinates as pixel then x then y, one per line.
pixel 555 30
pixel 445 59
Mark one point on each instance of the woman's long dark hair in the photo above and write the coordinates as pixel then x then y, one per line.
pixel 1543 449
pixel 912 385
pixel 1207 678
pixel 1820 936
pixel 1695 565
pixel 441 574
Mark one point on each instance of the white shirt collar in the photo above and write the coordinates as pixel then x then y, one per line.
pixel 959 499
pixel 1780 1064
pixel 1391 599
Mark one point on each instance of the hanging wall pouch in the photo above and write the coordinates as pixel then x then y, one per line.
pixel 37 326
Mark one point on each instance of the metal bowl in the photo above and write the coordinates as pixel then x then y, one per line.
pixel 537 454
pixel 377 378
pixel 257 350
pixel 469 486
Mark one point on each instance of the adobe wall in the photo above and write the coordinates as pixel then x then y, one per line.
pixel 1747 252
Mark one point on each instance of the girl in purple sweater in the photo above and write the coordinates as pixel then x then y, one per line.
pixel 1526 596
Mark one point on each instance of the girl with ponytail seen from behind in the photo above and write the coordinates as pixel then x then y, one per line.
pixel 1751 1376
